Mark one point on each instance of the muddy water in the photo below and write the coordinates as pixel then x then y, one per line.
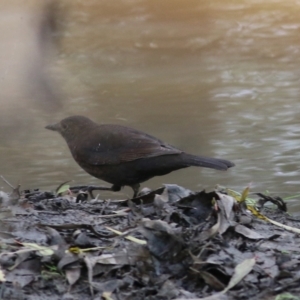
pixel 215 78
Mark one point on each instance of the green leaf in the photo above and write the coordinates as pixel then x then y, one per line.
pixel 62 188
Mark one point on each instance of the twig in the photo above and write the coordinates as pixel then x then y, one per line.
pixel 7 182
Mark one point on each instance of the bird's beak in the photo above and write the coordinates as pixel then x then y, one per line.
pixel 54 127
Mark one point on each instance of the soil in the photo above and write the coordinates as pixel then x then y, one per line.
pixel 170 243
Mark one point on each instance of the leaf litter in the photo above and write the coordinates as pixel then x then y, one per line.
pixel 169 243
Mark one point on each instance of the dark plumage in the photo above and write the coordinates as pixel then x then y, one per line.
pixel 124 156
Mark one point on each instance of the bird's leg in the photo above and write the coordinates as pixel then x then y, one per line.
pixel 91 188
pixel 135 188
pixel 115 188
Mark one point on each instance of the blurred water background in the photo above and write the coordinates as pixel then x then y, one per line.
pixel 217 78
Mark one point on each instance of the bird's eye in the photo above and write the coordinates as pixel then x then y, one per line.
pixel 64 126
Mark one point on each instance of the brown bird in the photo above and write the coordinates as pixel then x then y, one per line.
pixel 124 156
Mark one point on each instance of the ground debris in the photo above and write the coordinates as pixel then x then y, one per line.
pixel 170 243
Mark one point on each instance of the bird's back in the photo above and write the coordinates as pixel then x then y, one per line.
pixel 111 144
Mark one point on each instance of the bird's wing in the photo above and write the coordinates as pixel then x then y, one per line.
pixel 117 144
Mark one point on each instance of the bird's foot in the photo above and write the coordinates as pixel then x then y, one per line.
pixel 91 188
pixel 135 188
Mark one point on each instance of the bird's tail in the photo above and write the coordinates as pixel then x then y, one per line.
pixel 206 162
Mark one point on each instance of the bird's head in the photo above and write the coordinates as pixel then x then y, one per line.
pixel 71 127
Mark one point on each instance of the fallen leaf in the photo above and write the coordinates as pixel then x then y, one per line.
pixel 240 271
pixel 73 274
pixel 128 237
pixel 247 232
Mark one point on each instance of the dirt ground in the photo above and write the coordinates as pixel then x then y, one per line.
pixel 170 243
